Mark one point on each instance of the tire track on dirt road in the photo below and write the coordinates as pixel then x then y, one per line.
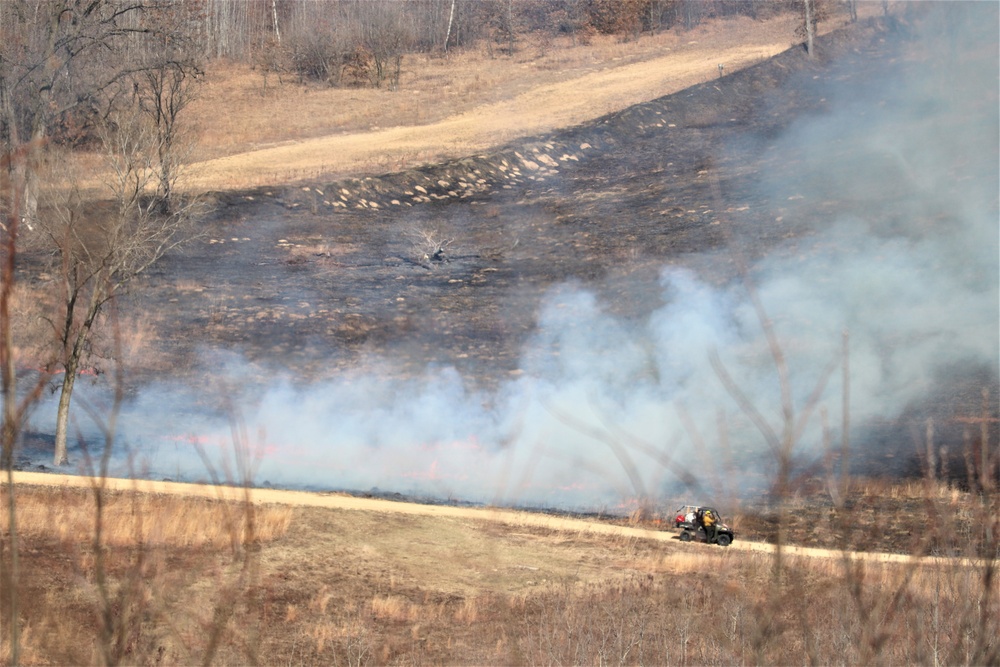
pixel 513 517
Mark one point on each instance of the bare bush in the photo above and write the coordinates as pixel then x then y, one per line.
pixel 386 36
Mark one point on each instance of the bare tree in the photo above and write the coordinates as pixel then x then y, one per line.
pixel 164 84
pixel 274 20
pixel 15 404
pixel 163 95
pixel 127 66
pixel 11 425
pixel 99 248
pixel 386 38
pixel 852 10
pixel 691 12
pixel 321 42
pixel 45 49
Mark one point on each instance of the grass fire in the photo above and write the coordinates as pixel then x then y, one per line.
pixel 500 333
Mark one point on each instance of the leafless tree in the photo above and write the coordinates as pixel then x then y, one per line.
pixel 164 85
pixel 386 38
pixel 99 248
pixel 691 12
pixel 44 50
pixel 163 93
pixel 121 61
pixel 11 425
pixel 321 42
pixel 852 10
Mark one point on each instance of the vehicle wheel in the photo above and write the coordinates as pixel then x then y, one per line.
pixel 685 537
pixel 723 540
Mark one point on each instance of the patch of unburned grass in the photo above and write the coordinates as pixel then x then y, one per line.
pixel 435 89
pixel 130 518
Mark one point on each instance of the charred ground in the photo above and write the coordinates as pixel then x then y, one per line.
pixel 446 265
pixel 310 276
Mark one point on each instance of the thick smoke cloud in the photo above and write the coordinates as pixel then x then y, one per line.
pixel 605 409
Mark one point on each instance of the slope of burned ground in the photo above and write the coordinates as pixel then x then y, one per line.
pixel 446 264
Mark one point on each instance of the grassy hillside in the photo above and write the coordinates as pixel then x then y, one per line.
pixel 180 580
pixel 312 277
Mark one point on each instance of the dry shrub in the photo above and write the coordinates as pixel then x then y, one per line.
pixel 469 611
pixel 641 516
pixel 28 652
pixel 725 610
pixel 394 608
pixel 321 601
pixel 323 634
pixel 912 489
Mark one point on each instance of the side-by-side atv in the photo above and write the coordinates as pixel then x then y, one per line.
pixel 693 531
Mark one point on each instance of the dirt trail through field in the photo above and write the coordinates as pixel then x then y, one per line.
pixel 539 110
pixel 337 501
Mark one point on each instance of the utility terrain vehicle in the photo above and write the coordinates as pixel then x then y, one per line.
pixel 695 532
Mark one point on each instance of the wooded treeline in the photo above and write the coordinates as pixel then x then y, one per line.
pixel 361 42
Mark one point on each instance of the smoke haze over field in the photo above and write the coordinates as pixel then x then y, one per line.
pixel 913 278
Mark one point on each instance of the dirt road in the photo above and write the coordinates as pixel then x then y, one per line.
pixel 338 501
pixel 539 110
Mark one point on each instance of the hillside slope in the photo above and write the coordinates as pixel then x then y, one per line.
pixel 423 123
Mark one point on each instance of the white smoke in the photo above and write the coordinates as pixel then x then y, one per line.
pixel 605 409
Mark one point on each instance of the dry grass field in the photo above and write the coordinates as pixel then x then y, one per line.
pixel 453 106
pixel 290 578
pixel 122 572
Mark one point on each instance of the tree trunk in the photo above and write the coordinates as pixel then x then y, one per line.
pixel 510 27
pixel 72 365
pixel 451 17
pixel 274 18
pixel 810 27
pixel 62 415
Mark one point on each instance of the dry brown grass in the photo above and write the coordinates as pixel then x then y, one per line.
pixel 455 105
pixel 68 516
pixel 913 489
pixel 433 88
pixel 336 586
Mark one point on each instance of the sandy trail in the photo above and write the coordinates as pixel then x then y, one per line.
pixel 338 501
pixel 536 111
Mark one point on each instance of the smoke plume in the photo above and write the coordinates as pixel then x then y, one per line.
pixel 605 409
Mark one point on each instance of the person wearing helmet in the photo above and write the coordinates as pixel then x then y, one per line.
pixel 708 522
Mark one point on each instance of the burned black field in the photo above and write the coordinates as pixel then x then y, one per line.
pixel 602 267
pixel 307 278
